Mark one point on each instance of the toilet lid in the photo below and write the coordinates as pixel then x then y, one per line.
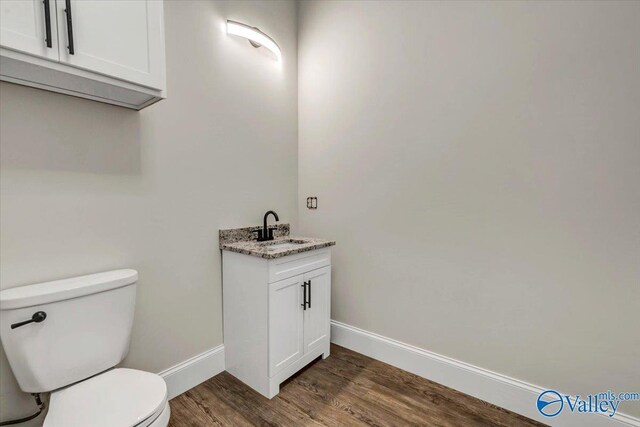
pixel 116 398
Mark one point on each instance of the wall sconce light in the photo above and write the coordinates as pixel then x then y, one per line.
pixel 256 37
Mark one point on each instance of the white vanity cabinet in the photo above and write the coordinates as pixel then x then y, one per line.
pixel 276 315
pixel 109 50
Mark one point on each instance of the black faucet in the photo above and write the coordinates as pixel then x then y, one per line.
pixel 266 233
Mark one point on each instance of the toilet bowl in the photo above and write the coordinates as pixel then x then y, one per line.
pixel 66 337
pixel 119 397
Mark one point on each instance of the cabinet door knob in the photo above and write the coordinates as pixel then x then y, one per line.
pixel 309 302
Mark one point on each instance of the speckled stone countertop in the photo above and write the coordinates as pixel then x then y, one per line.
pixel 243 240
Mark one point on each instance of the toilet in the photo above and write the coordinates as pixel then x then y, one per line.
pixel 66 337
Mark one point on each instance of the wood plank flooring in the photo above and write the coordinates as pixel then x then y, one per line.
pixel 346 389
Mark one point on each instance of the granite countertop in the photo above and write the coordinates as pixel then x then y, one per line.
pixel 243 240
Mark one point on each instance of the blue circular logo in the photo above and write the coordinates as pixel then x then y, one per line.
pixel 550 403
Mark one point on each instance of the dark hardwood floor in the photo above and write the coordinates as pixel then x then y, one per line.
pixel 346 389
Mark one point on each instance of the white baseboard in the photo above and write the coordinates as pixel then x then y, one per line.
pixel 501 390
pixel 191 372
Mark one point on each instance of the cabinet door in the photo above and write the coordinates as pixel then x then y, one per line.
pixel 285 323
pixel 23 27
pixel 318 312
pixel 118 38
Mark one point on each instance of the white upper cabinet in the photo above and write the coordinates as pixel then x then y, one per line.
pixel 25 24
pixel 118 38
pixel 108 50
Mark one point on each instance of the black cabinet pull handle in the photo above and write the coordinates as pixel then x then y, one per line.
pixel 47 23
pixel 37 317
pixel 306 302
pixel 304 297
pixel 69 27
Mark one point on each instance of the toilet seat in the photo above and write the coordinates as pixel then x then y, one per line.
pixel 116 398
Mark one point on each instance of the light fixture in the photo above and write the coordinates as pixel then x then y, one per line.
pixel 256 37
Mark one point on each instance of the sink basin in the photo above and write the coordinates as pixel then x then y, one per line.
pixel 282 244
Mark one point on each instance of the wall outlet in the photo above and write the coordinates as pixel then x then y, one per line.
pixel 312 203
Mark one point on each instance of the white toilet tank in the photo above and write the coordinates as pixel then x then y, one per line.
pixel 86 330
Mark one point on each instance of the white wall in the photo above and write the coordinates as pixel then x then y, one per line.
pixel 478 165
pixel 88 187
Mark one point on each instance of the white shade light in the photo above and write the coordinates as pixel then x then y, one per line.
pixel 254 35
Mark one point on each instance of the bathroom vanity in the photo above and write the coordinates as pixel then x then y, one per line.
pixel 276 302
